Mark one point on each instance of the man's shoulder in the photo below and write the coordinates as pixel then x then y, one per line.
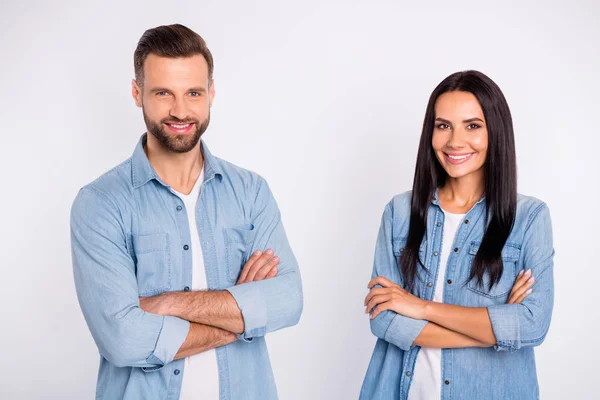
pixel 239 177
pixel 113 184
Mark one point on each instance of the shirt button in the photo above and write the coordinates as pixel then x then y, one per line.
pixel 186 247
pixel 466 221
pixel 435 253
pixel 179 208
pixel 456 249
pixel 439 224
pixel 176 372
pixel 449 281
pixel 447 382
pixel 407 373
pixel 429 284
pixel 402 249
pixel 186 289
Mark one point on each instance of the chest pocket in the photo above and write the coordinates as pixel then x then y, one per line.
pixel 510 257
pixel 398 246
pixel 153 263
pixel 238 243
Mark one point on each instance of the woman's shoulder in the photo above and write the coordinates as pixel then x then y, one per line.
pixel 400 203
pixel 528 208
pixel 529 204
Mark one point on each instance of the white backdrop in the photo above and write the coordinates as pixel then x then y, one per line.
pixel 326 100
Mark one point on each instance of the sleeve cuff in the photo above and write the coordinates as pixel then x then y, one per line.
pixel 505 324
pixel 403 331
pixel 254 310
pixel 172 335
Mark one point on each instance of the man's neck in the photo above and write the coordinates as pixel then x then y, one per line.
pixel 178 170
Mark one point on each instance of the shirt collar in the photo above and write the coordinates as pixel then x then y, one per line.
pixel 436 200
pixel 142 171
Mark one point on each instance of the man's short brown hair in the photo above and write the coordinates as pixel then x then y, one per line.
pixel 172 41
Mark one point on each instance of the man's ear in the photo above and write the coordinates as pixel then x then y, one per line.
pixel 211 93
pixel 136 93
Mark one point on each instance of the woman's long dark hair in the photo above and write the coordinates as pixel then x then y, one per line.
pixel 500 179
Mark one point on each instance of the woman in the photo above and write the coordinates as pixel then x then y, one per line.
pixel 462 286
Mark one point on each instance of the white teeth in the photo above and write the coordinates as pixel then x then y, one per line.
pixel 459 157
pixel 180 126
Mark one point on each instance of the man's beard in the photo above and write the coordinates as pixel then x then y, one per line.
pixel 176 143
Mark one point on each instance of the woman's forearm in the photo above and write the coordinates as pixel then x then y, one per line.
pixel 469 321
pixel 436 336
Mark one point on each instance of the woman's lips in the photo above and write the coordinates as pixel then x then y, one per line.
pixel 456 159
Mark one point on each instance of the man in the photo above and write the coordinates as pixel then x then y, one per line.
pixel 159 243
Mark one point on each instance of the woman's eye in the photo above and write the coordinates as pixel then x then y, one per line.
pixel 473 126
pixel 443 126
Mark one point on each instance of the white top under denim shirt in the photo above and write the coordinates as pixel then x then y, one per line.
pixel 427 379
pixel 130 238
pixel 502 372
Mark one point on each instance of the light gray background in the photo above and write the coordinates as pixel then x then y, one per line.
pixel 324 99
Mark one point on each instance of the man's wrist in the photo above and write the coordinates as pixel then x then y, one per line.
pixel 169 303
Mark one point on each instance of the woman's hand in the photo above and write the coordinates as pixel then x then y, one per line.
pixel 521 288
pixel 392 297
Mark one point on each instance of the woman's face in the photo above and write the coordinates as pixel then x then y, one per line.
pixel 460 136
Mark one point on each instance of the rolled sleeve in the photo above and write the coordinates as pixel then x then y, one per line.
pixel 275 303
pixel 397 329
pixel 505 324
pixel 394 328
pixel 526 324
pixel 106 286
pixel 172 335
pixel 253 307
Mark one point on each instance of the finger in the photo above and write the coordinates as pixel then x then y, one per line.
pixel 522 289
pixel 381 308
pixel 255 256
pixel 523 296
pixel 380 280
pixel 382 298
pixel 375 292
pixel 521 280
pixel 262 260
pixel 264 270
pixel 273 272
pixel 518 282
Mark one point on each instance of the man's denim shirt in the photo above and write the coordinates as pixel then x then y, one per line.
pixel 505 371
pixel 130 238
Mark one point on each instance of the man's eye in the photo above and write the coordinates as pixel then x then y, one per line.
pixel 194 94
pixel 161 93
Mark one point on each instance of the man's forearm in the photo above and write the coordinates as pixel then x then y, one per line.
pixel 436 336
pixel 203 337
pixel 216 308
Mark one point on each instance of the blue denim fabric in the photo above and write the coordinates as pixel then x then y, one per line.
pixel 128 232
pixel 503 372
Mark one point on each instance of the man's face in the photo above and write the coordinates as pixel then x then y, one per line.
pixel 175 98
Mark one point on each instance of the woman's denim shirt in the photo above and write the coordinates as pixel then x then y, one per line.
pixel 505 371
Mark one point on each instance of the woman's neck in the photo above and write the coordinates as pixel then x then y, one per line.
pixel 459 195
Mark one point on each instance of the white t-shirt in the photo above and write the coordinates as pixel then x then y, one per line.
pixel 427 377
pixel 201 372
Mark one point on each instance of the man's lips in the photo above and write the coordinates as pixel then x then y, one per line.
pixel 179 127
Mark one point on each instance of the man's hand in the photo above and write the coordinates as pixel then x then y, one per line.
pixel 522 287
pixel 260 266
